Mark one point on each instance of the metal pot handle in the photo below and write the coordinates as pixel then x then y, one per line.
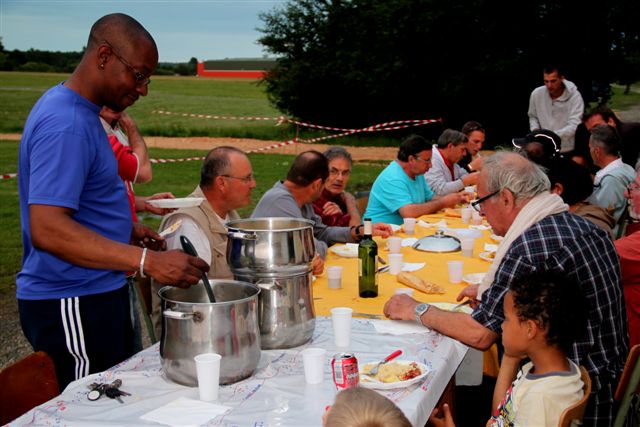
pixel 242 236
pixel 269 285
pixel 178 315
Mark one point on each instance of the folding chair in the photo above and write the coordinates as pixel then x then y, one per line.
pixel 572 416
pixel 26 384
pixel 628 391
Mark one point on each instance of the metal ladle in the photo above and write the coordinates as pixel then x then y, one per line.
pixel 189 249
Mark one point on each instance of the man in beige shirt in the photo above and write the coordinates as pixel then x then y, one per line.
pixel 226 182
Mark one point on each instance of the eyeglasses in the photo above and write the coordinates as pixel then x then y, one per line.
pixel 477 205
pixel 246 179
pixel 632 187
pixel 424 160
pixel 141 79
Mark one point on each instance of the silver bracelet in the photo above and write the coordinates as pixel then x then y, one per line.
pixel 142 258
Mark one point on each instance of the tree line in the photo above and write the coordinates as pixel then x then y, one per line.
pixel 65 62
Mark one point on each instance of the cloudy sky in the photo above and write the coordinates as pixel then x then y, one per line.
pixel 205 29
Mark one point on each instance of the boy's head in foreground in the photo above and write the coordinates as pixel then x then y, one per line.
pixel 543 309
pixel 361 407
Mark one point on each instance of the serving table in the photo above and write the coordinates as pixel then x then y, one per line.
pixel 276 394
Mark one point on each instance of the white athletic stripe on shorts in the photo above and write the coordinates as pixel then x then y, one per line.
pixel 74 336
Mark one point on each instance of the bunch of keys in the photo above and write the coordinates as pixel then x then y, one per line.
pixel 112 391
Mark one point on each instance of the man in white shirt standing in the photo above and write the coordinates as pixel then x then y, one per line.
pixel 226 182
pixel 557 106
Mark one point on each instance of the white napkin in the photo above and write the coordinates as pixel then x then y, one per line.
pixel 398 327
pixel 488 247
pixel 409 241
pixel 412 266
pixel 395 227
pixel 480 227
pixel 185 412
pixel 442 224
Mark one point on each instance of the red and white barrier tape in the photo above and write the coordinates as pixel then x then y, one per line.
pixel 208 116
pixel 8 175
pixel 257 150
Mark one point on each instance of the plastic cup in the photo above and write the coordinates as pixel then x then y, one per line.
pixel 208 372
pixel 313 359
pixel 466 214
pixel 455 271
pixel 341 319
pixel 476 217
pixel 466 245
pixel 470 189
pixel 334 274
pixel 409 225
pixel 394 244
pixel 406 291
pixel 395 264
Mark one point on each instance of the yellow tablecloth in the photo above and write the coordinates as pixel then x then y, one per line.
pixel 435 271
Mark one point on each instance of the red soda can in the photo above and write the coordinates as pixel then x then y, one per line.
pixel 345 370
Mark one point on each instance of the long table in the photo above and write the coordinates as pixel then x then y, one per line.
pixel 276 394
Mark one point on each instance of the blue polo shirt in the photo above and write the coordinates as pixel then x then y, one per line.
pixel 392 190
pixel 65 160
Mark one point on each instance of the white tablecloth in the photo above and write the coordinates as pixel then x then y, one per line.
pixel 276 395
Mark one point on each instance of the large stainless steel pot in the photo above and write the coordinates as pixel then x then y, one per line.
pixel 276 254
pixel 270 246
pixel 192 325
pixel 286 314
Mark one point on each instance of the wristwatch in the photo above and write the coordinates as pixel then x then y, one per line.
pixel 420 310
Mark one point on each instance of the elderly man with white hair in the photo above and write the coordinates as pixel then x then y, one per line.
pixel 539 235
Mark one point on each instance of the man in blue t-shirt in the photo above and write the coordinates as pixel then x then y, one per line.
pixel 76 223
pixel 401 191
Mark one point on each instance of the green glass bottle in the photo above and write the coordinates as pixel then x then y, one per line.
pixel 368 263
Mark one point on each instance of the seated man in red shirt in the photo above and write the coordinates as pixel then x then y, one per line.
pixel 335 206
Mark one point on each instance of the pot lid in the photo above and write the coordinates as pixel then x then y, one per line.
pixel 439 242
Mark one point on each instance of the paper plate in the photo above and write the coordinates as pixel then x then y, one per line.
pixel 473 278
pixel 448 306
pixel 464 232
pixel 496 238
pixel 368 382
pixel 487 256
pixel 186 202
pixel 346 251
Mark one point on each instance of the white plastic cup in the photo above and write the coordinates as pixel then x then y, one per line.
pixel 476 217
pixel 334 274
pixel 405 291
pixel 208 372
pixel 409 225
pixel 341 319
pixel 455 271
pixel 471 190
pixel 313 359
pixel 466 245
pixel 395 264
pixel 466 214
pixel 394 244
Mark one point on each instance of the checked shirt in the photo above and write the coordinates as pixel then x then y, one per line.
pixel 572 245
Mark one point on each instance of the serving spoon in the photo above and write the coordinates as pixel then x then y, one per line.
pixel 189 249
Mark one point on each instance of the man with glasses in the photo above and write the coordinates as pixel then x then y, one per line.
pixel 400 191
pixel 226 183
pixel 539 235
pixel 76 222
pixel 445 175
pixel 614 175
pixel 335 206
